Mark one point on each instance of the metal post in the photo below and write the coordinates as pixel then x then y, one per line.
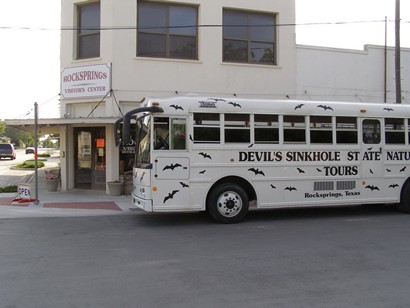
pixel 397 57
pixel 385 59
pixel 36 154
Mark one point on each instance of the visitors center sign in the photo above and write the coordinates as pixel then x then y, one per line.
pixel 86 81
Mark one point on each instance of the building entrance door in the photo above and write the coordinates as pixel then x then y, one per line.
pixel 90 158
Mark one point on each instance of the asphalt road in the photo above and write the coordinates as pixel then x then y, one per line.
pixel 6 163
pixel 333 257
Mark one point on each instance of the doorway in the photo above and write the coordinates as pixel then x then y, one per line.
pixel 89 158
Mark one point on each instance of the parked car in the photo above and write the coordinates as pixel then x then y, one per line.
pixel 7 151
pixel 30 150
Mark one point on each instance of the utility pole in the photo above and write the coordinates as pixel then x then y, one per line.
pixel 385 59
pixel 35 152
pixel 397 57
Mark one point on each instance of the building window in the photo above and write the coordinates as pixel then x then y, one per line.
pixel 249 37
pixel 88 34
pixel 167 30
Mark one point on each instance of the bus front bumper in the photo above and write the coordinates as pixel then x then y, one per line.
pixel 144 204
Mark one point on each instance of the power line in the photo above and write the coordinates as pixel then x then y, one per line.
pixel 114 28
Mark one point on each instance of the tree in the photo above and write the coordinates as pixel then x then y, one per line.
pixel 2 127
pixel 19 137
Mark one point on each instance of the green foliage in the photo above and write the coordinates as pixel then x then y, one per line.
pixel 52 141
pixel 8 189
pixel 30 164
pixel 43 155
pixel 2 127
pixel 19 137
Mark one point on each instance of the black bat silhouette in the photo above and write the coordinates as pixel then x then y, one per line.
pixel 170 195
pixel 172 166
pixel 176 107
pixel 372 187
pixel 371 171
pixel 272 186
pixel 190 138
pixel 325 107
pixel 235 104
pixel 142 176
pixel 256 171
pixel 251 145
pixel 299 106
pixel 205 155
pixel 393 185
pixel 369 149
pixel 300 170
pixel 183 184
pixel 217 99
pixel 388 109
pixel 403 169
pixel 290 188
pixel 388 170
pixel 318 170
pixel 202 172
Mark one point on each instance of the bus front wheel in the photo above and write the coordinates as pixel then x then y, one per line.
pixel 228 203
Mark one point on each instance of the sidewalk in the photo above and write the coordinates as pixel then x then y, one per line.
pixel 76 202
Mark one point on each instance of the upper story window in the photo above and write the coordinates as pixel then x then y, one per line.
pixel 88 34
pixel 249 37
pixel 167 30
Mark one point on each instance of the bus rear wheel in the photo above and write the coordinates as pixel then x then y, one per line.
pixel 404 204
pixel 228 203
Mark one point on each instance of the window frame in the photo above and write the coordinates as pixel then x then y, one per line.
pixel 249 41
pixel 323 133
pixel 89 32
pixel 262 127
pixel 392 133
pixel 296 132
pixel 349 128
pixel 166 34
pixel 237 128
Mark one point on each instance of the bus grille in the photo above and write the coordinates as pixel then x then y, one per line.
pixel 323 185
pixel 345 185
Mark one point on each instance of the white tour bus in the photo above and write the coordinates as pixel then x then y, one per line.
pixel 224 155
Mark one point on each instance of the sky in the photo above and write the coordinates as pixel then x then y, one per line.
pixel 29 53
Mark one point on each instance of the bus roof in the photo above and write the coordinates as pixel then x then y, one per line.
pixel 180 105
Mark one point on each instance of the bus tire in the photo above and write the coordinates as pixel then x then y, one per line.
pixel 404 204
pixel 228 203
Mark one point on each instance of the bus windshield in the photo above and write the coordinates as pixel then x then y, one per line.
pixel 143 137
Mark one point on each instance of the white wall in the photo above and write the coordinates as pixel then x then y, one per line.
pixel 350 75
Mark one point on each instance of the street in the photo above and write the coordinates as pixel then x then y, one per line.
pixel 320 257
pixel 21 156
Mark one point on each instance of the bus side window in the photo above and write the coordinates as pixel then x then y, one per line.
pixel 371 131
pixel 161 133
pixel 178 134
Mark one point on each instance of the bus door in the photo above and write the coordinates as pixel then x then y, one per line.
pixel 171 163
pixel 371 149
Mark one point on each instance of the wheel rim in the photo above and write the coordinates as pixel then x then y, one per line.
pixel 229 204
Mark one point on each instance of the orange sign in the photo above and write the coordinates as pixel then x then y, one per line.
pixel 100 143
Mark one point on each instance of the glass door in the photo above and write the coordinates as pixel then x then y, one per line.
pixel 90 158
